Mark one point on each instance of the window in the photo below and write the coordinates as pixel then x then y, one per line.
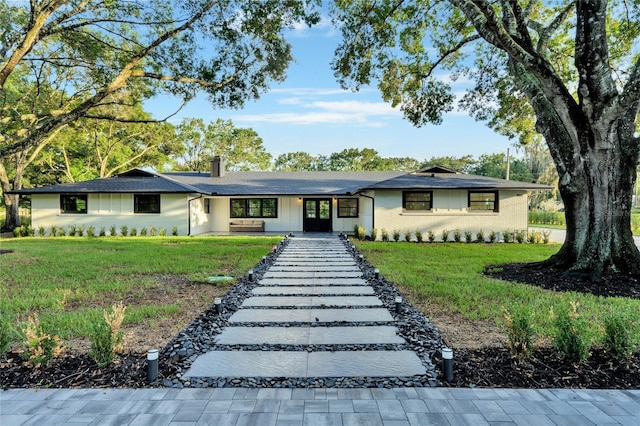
pixel 347 207
pixel 486 201
pixel 207 205
pixel 73 203
pixel 254 207
pixel 415 201
pixel 146 203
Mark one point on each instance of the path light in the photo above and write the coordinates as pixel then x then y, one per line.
pixel 251 275
pixel 152 365
pixel 376 273
pixel 360 257
pixel 274 249
pixel 218 304
pixel 398 305
pixel 264 259
pixel 447 364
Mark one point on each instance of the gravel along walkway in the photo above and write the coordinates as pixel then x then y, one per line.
pixel 317 316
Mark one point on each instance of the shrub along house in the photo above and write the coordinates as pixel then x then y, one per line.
pixel 197 203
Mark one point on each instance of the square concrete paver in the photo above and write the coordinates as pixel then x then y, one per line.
pixel 309 335
pixel 299 281
pixel 312 290
pixel 305 301
pixel 303 364
pixel 311 315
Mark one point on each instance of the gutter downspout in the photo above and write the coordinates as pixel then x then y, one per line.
pixel 189 214
pixel 373 209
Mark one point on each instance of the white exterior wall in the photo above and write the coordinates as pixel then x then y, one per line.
pixel 106 210
pixel 450 212
pixel 289 218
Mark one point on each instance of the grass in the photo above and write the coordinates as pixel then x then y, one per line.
pixel 450 275
pixel 68 281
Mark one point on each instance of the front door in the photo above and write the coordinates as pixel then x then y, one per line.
pixel 317 215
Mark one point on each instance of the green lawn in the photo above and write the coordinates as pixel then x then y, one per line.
pixel 451 275
pixel 68 281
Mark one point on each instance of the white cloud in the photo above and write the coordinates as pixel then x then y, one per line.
pixel 324 28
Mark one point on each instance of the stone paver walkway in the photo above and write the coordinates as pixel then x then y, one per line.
pixel 314 407
pixel 313 294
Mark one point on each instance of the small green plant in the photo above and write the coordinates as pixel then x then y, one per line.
pixel 30 231
pixel 546 236
pixel 385 235
pixel 396 235
pixel 355 230
pixel 374 234
pixel 124 230
pixel 41 231
pixel 520 236
pixel 407 236
pixel 468 236
pixel 91 231
pixel 493 237
pixel 480 236
pixel 418 235
pixel 520 331
pixel 71 230
pixel 361 234
pixel 80 231
pixel 152 231
pixel 507 236
pixel 445 235
pixel 102 232
pixel 107 338
pixel 61 232
pixel 40 347
pixel 534 237
pixel 112 231
pixel 570 337
pixel 174 231
pixel 618 335
pixel 134 231
pixel 143 232
pixel 18 231
pixel 54 231
pixel 457 235
pixel 162 232
pixel 431 236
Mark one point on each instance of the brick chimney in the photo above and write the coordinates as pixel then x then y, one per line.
pixel 217 167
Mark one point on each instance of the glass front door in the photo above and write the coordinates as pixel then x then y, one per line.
pixel 317 215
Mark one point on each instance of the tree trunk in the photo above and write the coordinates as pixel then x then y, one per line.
pixel 11 201
pixel 597 195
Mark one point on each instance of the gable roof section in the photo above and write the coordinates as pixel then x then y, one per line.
pixel 133 181
pixel 418 181
pixel 282 183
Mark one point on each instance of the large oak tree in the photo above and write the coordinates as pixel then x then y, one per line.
pixel 573 65
pixel 62 60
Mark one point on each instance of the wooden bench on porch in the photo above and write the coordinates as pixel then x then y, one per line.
pixel 246 225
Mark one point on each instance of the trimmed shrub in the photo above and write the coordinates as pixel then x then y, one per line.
pixel 40 347
pixel 418 235
pixel 407 236
pixel 112 231
pixel 570 336
pixel 480 236
pixel 546 236
pixel 162 232
pixel 445 235
pixel 143 232
pixel 133 232
pixel 520 331
pixel 520 236
pixel 152 231
pixel 457 236
pixel 431 236
pixel 174 231
pixel 618 335
pixel 374 234
pixel 54 231
pixel 91 231
pixel 385 235
pixel 468 236
pixel 507 236
pixel 493 237
pixel 124 230
pixel 396 235
pixel 41 231
pixel 360 234
pixel 107 338
pixel 102 232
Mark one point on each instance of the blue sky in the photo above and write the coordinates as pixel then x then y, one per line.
pixel 310 112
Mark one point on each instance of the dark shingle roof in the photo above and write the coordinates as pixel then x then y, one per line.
pixel 453 181
pixel 134 181
pixel 282 183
